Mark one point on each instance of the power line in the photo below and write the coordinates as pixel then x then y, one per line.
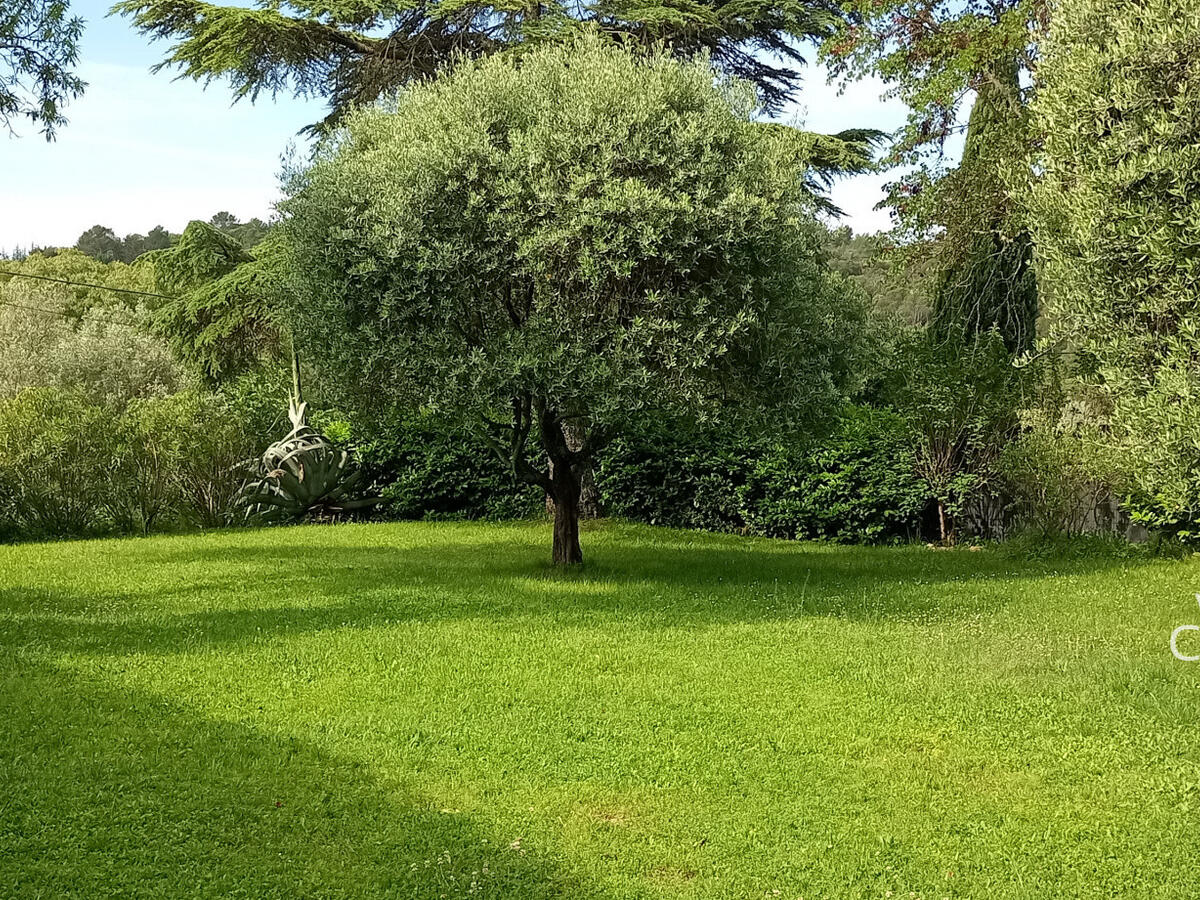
pixel 62 315
pixel 83 284
pixel 99 287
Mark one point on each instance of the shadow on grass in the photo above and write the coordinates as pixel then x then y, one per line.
pixel 106 794
pixel 109 792
pixel 228 588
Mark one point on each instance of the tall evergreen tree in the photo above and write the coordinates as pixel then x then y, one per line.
pixel 936 55
pixel 353 51
pixel 222 320
pixel 988 279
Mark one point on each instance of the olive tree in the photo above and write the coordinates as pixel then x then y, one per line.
pixel 564 244
pixel 1117 223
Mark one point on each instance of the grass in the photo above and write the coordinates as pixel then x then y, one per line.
pixel 426 711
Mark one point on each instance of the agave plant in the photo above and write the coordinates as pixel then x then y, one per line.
pixel 305 475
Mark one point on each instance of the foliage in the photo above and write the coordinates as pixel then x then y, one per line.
pixel 72 467
pixel 987 279
pixel 425 469
pixel 249 234
pixel 80 339
pixel 201 255
pixel 303 476
pixel 352 53
pixel 112 363
pixel 935 56
pixel 188 448
pixel 1058 481
pixel 854 483
pixel 900 293
pixel 151 444
pixel 99 286
pixel 1116 221
pixel 39 47
pixel 959 400
pixel 223 321
pixel 55 451
pixel 961 227
pixel 583 239
pixel 102 243
pixel 667 473
pixel 961 224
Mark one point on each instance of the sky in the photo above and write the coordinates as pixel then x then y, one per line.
pixel 141 150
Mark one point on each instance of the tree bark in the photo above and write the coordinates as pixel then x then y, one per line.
pixel 565 497
pixel 589 494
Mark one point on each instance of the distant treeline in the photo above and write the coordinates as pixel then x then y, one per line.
pixel 102 243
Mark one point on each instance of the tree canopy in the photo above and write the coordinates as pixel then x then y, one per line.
pixel 39 46
pixel 223 318
pixel 584 239
pixel 102 243
pixel 1117 223
pixel 351 53
pixel 935 55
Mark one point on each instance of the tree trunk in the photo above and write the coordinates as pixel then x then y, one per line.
pixel 565 499
pixel 589 494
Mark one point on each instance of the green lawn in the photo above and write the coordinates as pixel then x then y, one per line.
pixel 426 710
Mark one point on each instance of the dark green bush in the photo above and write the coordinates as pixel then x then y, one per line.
pixel 71 468
pixel 676 476
pixel 423 470
pixel 856 483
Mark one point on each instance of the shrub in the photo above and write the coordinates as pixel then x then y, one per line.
pixel 56 336
pixel 855 483
pixel 423 469
pixel 1057 482
pixel 112 364
pixel 70 467
pixel 56 465
pixel 182 458
pixel 858 483
pixel 959 398
pixel 675 475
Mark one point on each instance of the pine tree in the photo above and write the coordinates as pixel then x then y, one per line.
pixel 351 52
pixel 988 282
